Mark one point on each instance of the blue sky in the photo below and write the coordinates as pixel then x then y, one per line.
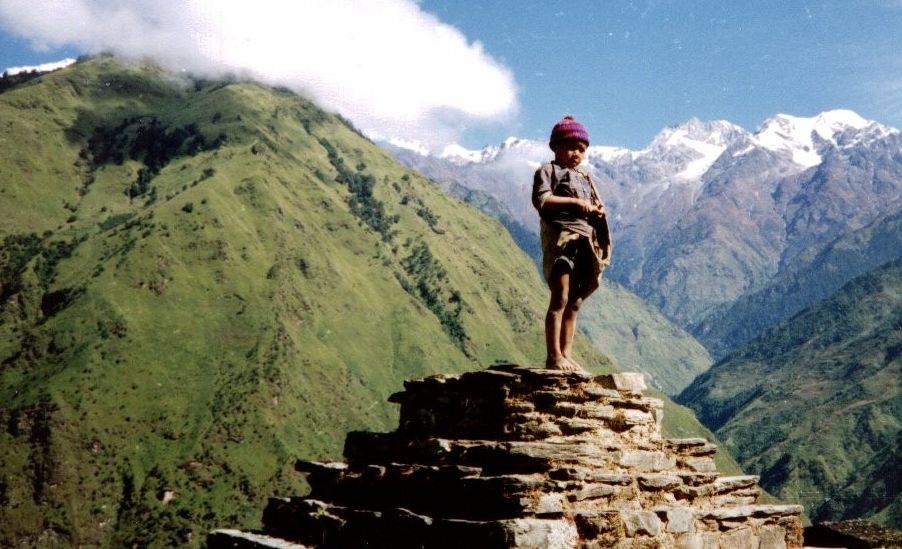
pixel 17 52
pixel 630 68
pixel 626 69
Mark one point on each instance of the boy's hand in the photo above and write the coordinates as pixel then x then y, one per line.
pixel 584 206
pixel 589 209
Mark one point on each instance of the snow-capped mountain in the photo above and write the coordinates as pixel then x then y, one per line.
pixel 708 211
pixel 512 146
pixel 693 147
pixel 803 139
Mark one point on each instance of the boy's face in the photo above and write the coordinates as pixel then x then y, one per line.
pixel 569 153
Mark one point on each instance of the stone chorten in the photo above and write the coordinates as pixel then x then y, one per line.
pixel 517 457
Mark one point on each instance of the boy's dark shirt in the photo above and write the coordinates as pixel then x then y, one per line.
pixel 560 181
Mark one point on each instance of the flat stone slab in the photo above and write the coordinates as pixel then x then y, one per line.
pixel 744 511
pixel 641 522
pixel 538 372
pixel 659 482
pixel 631 382
pixel 236 539
pixel 645 460
pixel 727 484
pixel 400 528
pixel 696 447
pixel 304 466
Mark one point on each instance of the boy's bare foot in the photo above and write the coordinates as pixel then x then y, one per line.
pixel 576 365
pixel 562 363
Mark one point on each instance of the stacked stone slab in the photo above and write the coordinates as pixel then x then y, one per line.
pixel 517 457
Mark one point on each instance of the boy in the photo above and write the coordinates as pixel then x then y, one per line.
pixel 576 241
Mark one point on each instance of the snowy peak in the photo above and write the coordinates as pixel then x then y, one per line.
pixel 698 134
pixel 529 149
pixel 532 151
pixel 459 154
pixel 413 146
pixel 608 154
pixel 693 147
pixel 687 151
pixel 829 123
pixel 802 139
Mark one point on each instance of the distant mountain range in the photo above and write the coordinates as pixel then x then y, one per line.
pixel 709 215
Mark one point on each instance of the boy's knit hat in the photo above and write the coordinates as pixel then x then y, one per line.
pixel 568 128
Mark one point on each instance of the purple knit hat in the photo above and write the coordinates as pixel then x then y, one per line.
pixel 568 128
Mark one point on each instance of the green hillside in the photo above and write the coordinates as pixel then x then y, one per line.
pixel 639 339
pixel 201 282
pixel 815 405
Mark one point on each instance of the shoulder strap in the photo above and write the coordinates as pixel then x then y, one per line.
pixel 552 177
pixel 595 195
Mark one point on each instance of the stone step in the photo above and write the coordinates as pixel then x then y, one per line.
pixel 770 536
pixel 236 539
pixel 728 484
pixel 693 454
pixel 519 420
pixel 691 447
pixel 447 491
pixel 327 527
pixel 491 455
pixel 457 492
pixel 763 511
pixel 512 403
pixel 736 490
pixel 739 518
pixel 685 527
pixel 522 456
pixel 454 491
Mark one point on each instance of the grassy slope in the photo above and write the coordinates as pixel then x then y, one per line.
pixel 165 360
pixel 640 339
pixel 815 405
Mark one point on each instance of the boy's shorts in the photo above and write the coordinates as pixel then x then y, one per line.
pixel 576 253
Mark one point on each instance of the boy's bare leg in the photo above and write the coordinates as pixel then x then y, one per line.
pixel 568 329
pixel 559 285
pixel 554 322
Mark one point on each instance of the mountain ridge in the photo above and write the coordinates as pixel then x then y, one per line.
pixel 781 133
pixel 814 405
pixel 845 258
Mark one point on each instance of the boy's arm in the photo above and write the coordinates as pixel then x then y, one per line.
pixel 547 202
pixel 550 203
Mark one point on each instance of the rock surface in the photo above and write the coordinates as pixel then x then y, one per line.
pixel 517 457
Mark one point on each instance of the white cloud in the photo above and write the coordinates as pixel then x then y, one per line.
pixel 43 67
pixel 385 64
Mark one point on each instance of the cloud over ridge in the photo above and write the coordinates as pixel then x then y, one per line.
pixel 387 65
